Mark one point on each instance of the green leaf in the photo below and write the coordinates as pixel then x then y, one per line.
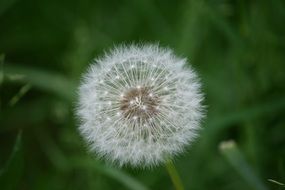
pixel 44 80
pixel 233 155
pixel 12 172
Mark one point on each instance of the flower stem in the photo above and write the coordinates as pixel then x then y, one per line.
pixel 174 175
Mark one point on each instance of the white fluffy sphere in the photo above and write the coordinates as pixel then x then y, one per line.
pixel 139 105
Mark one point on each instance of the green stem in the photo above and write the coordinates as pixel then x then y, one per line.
pixel 174 175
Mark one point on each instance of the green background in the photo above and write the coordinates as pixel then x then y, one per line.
pixel 237 47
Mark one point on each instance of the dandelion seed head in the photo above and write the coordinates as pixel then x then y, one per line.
pixel 139 105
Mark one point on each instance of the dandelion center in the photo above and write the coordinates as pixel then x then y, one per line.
pixel 139 103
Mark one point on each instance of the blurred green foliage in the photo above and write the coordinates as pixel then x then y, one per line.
pixel 237 47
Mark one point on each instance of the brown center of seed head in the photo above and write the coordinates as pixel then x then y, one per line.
pixel 139 103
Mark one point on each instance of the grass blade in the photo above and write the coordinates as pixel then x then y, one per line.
pixel 2 57
pixel 220 123
pixel 114 173
pixel 23 90
pixel 48 81
pixel 5 5
pixel 11 174
pixel 276 182
pixel 233 155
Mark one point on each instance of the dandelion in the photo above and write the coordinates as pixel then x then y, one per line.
pixel 139 105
